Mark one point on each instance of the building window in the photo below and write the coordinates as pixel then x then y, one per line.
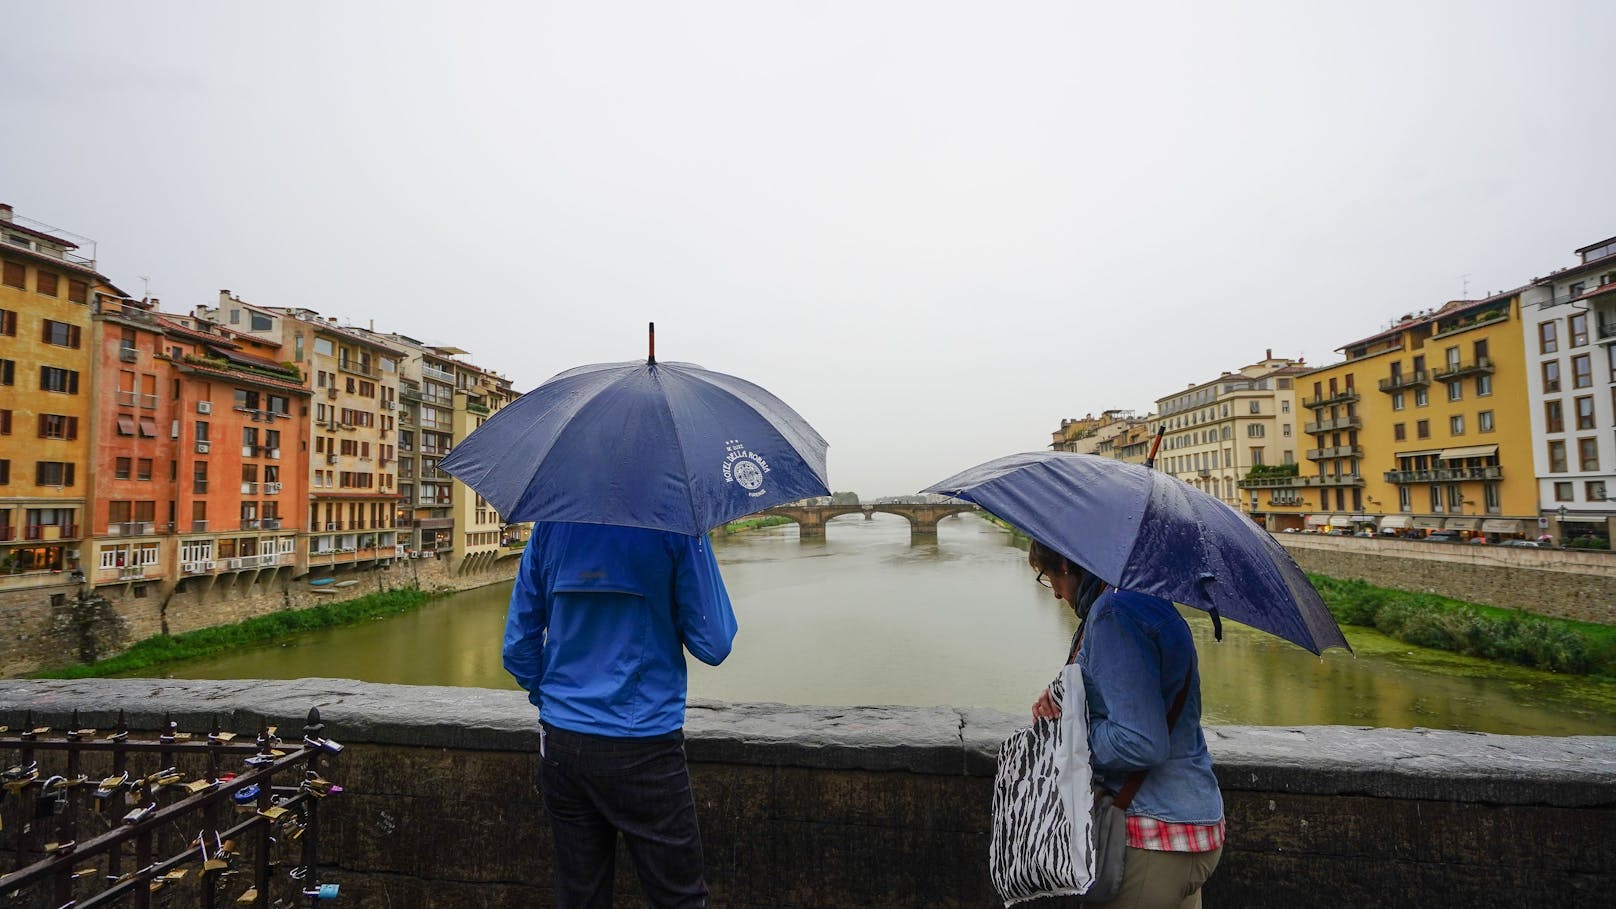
pixel 143 469
pixel 1484 421
pixel 78 291
pixel 1582 371
pixel 1256 430
pixel 1436 498
pixel 1494 499
pixel 1421 396
pixel 1456 424
pixel 65 381
pixel 8 323
pixel 8 372
pixel 1562 492
pixel 120 469
pixel 1422 429
pixel 1585 413
pixel 1596 491
pixel 1256 407
pixel 13 274
pixel 53 473
pixel 1456 390
pixel 1399 432
pixel 5 422
pixel 1551 376
pixel 45 282
pixel 1285 430
pixel 57 426
pixel 1405 498
pixel 1553 416
pixel 1578 323
pixel 1548 337
pixel 1484 385
pixel 1397 400
pixel 1285 406
pixel 60 334
pixel 1588 454
pixel 1557 457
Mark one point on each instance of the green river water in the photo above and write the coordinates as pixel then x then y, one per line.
pixel 866 617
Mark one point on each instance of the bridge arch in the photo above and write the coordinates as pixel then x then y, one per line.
pixel 922 518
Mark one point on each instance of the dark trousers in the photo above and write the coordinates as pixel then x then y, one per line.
pixel 595 788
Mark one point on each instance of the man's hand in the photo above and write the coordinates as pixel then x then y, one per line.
pixel 1045 707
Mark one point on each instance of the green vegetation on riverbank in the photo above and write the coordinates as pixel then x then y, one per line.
pixel 165 648
pixel 768 520
pixel 1506 635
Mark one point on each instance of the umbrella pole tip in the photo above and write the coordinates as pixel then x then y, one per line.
pixel 651 333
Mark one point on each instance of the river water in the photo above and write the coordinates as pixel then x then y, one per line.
pixel 865 617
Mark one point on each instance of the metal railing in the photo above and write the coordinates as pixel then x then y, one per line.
pixel 83 843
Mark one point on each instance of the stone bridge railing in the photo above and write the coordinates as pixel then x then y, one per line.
pixel 889 806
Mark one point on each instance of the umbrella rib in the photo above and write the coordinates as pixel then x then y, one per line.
pixel 679 442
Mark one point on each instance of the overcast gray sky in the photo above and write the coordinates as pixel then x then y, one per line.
pixel 933 228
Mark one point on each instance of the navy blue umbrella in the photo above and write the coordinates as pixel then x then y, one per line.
pixel 1142 530
pixel 668 446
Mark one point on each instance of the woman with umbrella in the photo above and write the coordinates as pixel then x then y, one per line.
pixel 1122 544
pixel 1144 705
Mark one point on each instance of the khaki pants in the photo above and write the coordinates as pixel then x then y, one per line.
pixel 1162 880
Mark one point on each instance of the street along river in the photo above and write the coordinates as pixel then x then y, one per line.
pixel 864 617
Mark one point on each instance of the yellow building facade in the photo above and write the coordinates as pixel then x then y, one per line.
pixel 46 402
pixel 1423 427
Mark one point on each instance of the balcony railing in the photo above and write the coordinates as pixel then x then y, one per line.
pixel 1346 479
pixel 199 526
pixel 432 372
pixel 1478 366
pixel 1418 377
pixel 1325 399
pixel 1332 425
pixel 358 368
pixel 476 408
pixel 1269 482
pixel 1339 451
pixel 130 528
pixel 7 532
pixel 1444 474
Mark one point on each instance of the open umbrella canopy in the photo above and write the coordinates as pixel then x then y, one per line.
pixel 668 446
pixel 1142 530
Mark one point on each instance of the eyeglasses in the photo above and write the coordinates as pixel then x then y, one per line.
pixel 1045 581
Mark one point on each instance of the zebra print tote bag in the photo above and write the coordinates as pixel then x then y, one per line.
pixel 1043 833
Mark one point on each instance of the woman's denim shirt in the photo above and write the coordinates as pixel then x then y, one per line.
pixel 1135 655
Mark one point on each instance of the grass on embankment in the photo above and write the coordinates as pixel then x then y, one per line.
pixel 163 648
pixel 768 520
pixel 1505 635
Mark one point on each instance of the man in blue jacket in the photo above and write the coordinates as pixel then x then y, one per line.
pixel 599 621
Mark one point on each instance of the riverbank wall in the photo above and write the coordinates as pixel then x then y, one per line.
pixel 890 806
pixel 46 632
pixel 1563 583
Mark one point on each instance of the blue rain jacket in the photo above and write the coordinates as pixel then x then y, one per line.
pixel 1136 652
pixel 599 621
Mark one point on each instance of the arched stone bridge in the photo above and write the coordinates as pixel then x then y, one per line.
pixel 922 518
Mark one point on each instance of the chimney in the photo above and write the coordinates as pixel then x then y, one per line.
pixel 5 211
pixel 1268 354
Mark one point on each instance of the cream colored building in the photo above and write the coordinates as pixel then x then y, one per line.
pixel 1217 431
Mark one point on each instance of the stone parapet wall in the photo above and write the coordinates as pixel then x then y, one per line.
pixel 1568 584
pixel 889 806
pixel 42 631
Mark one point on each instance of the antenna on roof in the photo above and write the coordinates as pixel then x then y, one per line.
pixel 1464 293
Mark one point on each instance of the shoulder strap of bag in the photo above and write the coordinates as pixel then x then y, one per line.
pixel 1137 778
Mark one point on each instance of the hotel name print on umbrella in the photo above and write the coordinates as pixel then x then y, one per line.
pixel 744 467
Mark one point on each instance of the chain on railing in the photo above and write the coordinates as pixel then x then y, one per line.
pixel 70 840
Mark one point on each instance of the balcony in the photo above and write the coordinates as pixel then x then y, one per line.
pixel 1346 479
pixel 1332 425
pixel 1328 398
pixel 1339 451
pixel 129 528
pixel 1445 475
pixel 1479 366
pixel 359 368
pixel 272 489
pixel 199 526
pixel 1607 331
pixel 202 566
pixel 1418 377
pixel 8 532
pixel 432 372
pixel 476 408
pixel 50 532
pixel 249 488
pixel 129 354
pixel 271 523
pixel 250 524
pixel 1202 472
pixel 132 573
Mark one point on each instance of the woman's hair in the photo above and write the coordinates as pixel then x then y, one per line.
pixel 1048 561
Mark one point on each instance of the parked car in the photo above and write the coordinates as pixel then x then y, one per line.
pixel 1525 544
pixel 1364 533
pixel 1442 536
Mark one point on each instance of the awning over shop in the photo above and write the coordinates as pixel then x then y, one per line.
pixel 1396 522
pixel 1501 525
pixel 1425 452
pixel 1472 451
pixel 1361 519
pixel 1462 523
pixel 1340 520
pixel 1317 520
pixel 1423 523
